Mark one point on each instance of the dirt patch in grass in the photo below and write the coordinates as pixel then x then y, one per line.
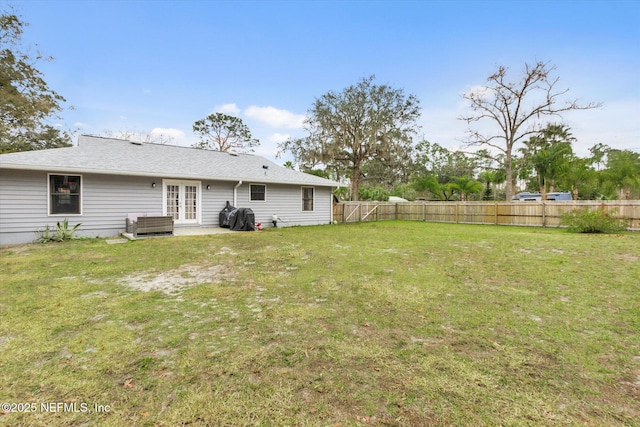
pixel 174 282
pixel 628 257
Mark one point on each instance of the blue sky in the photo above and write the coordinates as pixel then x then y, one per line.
pixel 159 66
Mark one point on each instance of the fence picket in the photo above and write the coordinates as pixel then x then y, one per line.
pixel 535 214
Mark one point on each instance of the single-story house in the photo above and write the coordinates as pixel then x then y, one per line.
pixel 102 180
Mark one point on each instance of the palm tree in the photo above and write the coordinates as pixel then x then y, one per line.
pixel 548 154
pixel 465 186
pixel 487 177
pixel 491 177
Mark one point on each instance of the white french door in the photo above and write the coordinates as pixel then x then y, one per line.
pixel 181 199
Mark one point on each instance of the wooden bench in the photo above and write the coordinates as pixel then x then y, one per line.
pixel 138 224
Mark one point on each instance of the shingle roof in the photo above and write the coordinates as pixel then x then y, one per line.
pixel 118 157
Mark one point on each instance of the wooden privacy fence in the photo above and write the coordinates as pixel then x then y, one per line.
pixel 535 214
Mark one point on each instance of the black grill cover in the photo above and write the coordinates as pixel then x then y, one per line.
pixel 242 219
pixel 225 214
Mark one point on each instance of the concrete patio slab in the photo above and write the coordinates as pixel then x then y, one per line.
pixel 200 231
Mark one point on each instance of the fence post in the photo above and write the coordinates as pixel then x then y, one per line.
pixel 495 213
pixel 544 216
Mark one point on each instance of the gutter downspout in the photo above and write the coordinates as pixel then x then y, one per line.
pixel 235 193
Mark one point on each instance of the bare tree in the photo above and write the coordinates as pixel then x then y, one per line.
pixel 153 137
pixel 516 109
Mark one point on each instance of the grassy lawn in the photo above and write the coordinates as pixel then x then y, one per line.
pixel 389 324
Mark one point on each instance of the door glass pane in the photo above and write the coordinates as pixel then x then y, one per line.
pixel 173 201
pixel 190 202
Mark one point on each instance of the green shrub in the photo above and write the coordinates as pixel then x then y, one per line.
pixel 61 233
pixel 592 221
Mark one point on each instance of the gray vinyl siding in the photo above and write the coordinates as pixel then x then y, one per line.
pixel 285 201
pixel 23 204
pixel 214 200
pixel 107 199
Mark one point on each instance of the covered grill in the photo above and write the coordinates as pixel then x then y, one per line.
pixel 242 219
pixel 225 214
pixel 238 219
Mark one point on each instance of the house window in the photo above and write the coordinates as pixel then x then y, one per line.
pixel 258 192
pixel 64 194
pixel 307 198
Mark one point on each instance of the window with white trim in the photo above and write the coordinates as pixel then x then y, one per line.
pixel 307 198
pixel 258 192
pixel 65 194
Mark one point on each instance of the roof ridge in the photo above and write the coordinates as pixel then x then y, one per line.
pixel 163 145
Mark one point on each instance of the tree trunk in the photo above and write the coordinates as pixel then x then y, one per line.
pixel 510 178
pixel 355 184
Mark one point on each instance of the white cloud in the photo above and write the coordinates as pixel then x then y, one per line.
pixel 174 134
pixel 269 151
pixel 81 125
pixel 227 109
pixel 275 117
pixel 278 137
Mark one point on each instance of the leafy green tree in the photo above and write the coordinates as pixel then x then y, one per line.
pixel 580 177
pixel 406 191
pixel 373 193
pixel 432 158
pixel 623 171
pixel 376 172
pixel 516 110
pixel 226 133
pixel 440 172
pixel 26 101
pixel 322 173
pixel 365 121
pixel 426 185
pixel 548 152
